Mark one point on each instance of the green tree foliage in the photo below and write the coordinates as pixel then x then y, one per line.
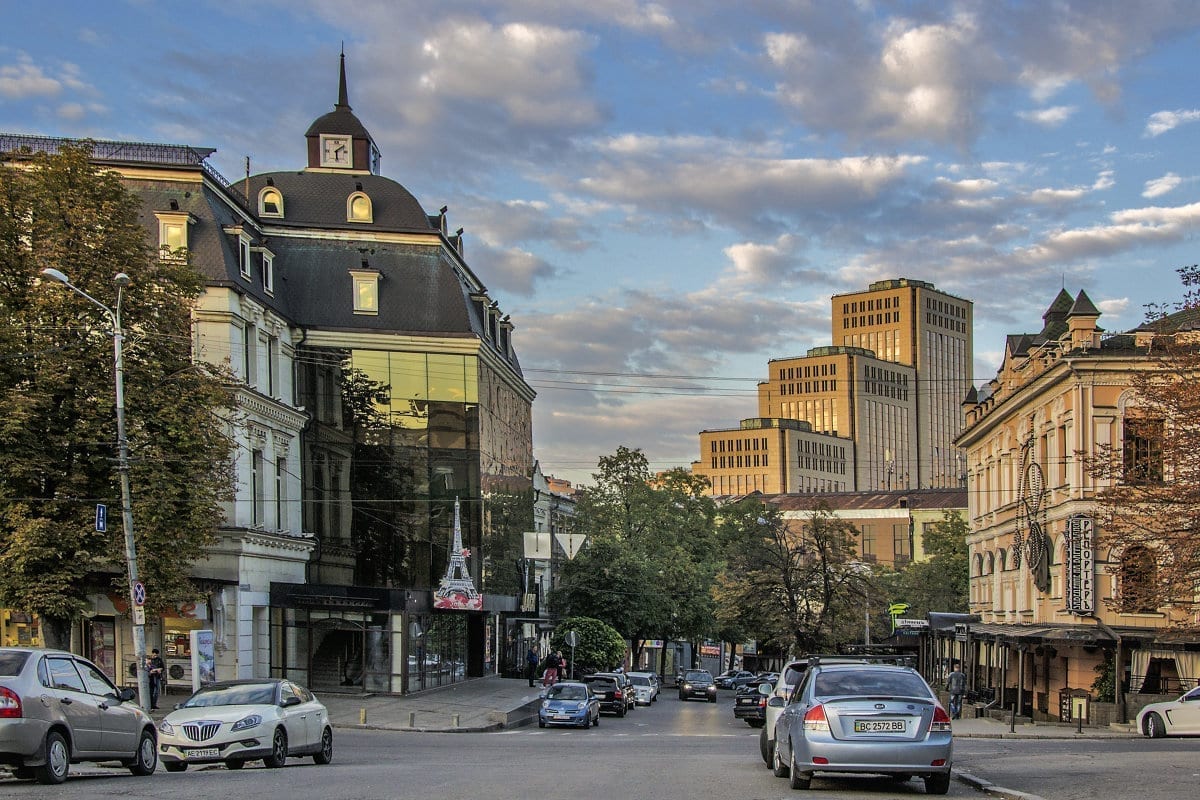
pixel 57 400
pixel 648 565
pixel 941 582
pixel 600 647
pixel 793 587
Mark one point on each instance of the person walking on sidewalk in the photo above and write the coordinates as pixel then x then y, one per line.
pixel 550 676
pixel 531 664
pixel 956 685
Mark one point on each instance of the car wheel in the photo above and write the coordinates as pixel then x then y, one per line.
pixel 766 747
pixel 146 758
pixel 596 721
pixel 756 723
pixel 712 699
pixel 325 754
pixel 1155 728
pixel 58 760
pixel 541 722
pixel 937 784
pixel 799 780
pixel 234 764
pixel 621 711
pixel 778 768
pixel 175 766
pixel 681 696
pixel 279 750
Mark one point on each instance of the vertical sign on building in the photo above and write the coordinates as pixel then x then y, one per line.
pixel 1081 565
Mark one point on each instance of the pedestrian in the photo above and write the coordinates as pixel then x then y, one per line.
pixel 956 685
pixel 156 670
pixel 531 664
pixel 550 676
pixel 562 667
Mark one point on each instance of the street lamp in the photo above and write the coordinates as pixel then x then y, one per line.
pixel 118 334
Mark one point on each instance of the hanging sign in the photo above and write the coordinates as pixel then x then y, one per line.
pixel 1081 565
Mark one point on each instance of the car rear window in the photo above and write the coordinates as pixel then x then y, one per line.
pixel 869 682
pixel 640 680
pixel 12 662
pixel 601 682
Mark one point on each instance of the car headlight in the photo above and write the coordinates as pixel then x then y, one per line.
pixel 545 704
pixel 166 727
pixel 245 723
pixel 687 687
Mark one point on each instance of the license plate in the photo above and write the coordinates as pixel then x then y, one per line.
pixel 879 726
pixel 203 752
pixel 747 701
pixel 562 716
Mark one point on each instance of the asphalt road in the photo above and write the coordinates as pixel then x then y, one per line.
pixel 673 750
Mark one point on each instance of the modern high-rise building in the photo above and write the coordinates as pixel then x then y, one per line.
pixel 911 322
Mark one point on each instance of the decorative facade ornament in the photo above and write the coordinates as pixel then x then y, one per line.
pixel 1029 539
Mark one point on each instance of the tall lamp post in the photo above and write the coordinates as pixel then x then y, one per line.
pixel 135 607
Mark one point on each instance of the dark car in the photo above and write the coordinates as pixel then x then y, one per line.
pixel 625 683
pixel 609 693
pixel 697 683
pixel 750 703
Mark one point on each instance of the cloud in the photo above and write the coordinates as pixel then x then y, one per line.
pixel 1129 228
pixel 511 269
pixel 1162 121
pixel 1114 307
pixel 26 79
pixel 1160 186
pixel 1048 117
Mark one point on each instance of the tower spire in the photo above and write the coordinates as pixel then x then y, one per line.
pixel 343 99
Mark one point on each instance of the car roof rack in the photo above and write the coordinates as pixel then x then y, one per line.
pixel 862 658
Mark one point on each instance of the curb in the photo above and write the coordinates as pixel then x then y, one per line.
pixel 987 787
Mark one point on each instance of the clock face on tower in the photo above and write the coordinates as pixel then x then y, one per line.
pixel 335 151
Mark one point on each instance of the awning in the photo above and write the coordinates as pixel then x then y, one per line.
pixel 945 621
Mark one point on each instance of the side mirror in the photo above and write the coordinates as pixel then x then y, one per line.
pixel 542 694
pixel 776 702
pixel 126 694
pixel 764 688
pixel 290 700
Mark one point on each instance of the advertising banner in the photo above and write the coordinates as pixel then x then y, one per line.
pixel 204 659
pixel 1081 566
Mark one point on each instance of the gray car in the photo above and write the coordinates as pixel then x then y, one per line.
pixel 57 709
pixel 864 718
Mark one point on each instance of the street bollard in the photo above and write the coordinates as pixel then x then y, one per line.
pixel 454 720
pixel 1079 724
pixel 412 719
pixel 362 716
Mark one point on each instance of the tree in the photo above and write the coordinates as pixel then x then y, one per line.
pixel 1149 509
pixel 941 582
pixel 648 566
pixel 599 646
pixel 795 587
pixel 57 418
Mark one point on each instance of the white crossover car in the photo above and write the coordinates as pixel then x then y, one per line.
pixel 645 687
pixel 240 721
pixel 1180 717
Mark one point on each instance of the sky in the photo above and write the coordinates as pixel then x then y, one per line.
pixel 665 195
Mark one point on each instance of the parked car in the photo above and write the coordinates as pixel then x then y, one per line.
pixel 569 703
pixel 1179 717
pixel 768 677
pixel 628 692
pixel 733 679
pixel 609 693
pixel 864 718
pixel 645 687
pixel 57 709
pixel 750 703
pixel 247 720
pixel 697 683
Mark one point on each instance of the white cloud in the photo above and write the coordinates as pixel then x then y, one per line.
pixel 1162 121
pixel 1129 228
pixel 1049 117
pixel 1114 307
pixel 1160 186
pixel 26 79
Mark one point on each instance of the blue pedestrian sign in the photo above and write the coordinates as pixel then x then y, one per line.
pixel 101 517
pixel 139 593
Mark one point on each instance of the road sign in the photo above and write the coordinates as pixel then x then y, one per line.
pixel 101 517
pixel 572 638
pixel 139 593
pixel 139 615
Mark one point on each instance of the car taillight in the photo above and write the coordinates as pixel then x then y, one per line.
pixel 941 720
pixel 10 704
pixel 815 719
pixel 762 702
pixel 617 695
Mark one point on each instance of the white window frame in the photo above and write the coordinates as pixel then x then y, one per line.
pixel 262 197
pixel 244 250
pixel 365 280
pixel 268 269
pixel 173 220
pixel 350 217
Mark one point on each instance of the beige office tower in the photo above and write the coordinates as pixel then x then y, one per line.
pixel 851 394
pixel 910 322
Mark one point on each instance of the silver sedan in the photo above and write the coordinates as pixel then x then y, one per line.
pixel 864 718
pixel 57 709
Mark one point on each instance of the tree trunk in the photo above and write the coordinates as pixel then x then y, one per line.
pixel 56 632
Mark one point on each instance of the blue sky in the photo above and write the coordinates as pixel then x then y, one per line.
pixel 664 195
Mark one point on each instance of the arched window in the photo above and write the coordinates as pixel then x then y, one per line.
pixel 1003 560
pixel 358 208
pixel 270 202
pixel 1137 578
pixel 991 563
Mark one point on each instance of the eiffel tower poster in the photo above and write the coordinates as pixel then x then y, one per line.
pixel 456 589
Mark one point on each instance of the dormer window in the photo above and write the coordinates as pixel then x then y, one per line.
pixel 173 233
pixel 366 291
pixel 268 269
pixel 270 202
pixel 244 255
pixel 358 208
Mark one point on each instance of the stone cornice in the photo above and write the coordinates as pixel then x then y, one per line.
pixel 290 419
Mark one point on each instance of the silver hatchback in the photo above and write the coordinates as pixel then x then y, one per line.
pixel 57 709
